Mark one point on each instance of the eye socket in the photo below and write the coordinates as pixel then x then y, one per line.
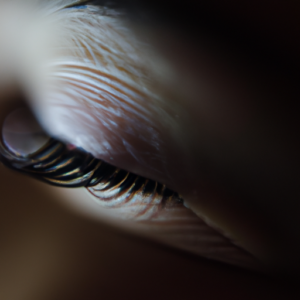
pixel 145 202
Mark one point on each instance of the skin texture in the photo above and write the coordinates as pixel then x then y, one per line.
pixel 232 158
pixel 214 142
pixel 94 84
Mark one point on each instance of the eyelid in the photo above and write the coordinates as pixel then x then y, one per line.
pixel 149 205
pixel 99 105
pixel 139 145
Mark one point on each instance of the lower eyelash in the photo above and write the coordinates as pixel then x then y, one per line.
pixel 145 197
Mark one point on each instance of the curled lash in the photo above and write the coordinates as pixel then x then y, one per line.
pixel 57 165
pixel 134 197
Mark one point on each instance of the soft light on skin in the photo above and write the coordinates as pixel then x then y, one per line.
pixel 112 103
pixel 91 83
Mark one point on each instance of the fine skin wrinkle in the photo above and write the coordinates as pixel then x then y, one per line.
pixel 93 84
pixel 100 89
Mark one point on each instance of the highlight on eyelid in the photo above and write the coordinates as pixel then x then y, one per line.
pixel 98 84
pixel 100 89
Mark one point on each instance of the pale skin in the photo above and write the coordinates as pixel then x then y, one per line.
pixel 209 129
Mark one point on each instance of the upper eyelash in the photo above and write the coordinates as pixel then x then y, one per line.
pixel 133 197
pixel 57 165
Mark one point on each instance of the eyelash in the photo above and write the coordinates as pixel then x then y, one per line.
pixel 60 166
pixel 57 165
pixel 133 197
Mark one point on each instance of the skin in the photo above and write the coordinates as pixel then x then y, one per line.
pixel 235 163
pixel 220 199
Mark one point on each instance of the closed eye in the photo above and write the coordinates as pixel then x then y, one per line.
pixel 101 90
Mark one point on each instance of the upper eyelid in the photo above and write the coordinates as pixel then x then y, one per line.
pixel 161 209
pixel 141 104
pixel 184 209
